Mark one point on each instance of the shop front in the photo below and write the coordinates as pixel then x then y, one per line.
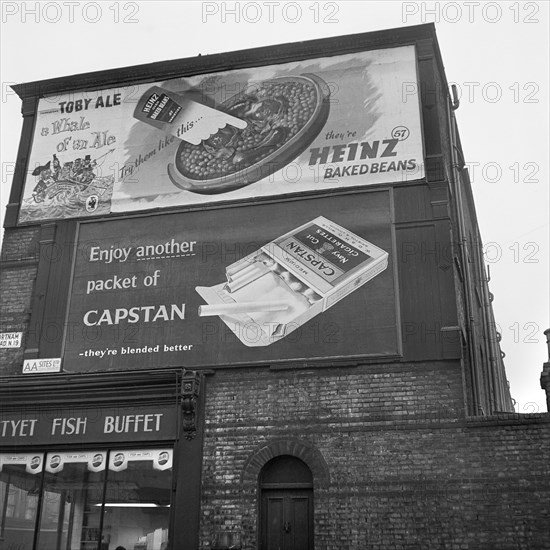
pixel 91 474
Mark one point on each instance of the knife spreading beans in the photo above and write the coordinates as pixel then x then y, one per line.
pixel 274 111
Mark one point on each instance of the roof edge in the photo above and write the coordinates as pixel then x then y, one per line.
pixel 264 55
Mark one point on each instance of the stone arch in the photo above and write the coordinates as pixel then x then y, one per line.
pixel 303 450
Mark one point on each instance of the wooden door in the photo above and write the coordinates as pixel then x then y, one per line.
pixel 287 519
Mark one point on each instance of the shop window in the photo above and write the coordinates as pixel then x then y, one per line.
pixel 20 480
pixel 92 500
pixel 137 500
pixel 73 485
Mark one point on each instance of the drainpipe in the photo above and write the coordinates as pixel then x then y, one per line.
pixel 462 242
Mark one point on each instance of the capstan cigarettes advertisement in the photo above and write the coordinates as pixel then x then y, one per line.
pixel 319 124
pixel 303 279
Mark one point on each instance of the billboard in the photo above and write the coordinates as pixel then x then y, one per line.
pixel 314 125
pixel 302 279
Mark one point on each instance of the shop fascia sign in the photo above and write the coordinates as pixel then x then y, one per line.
pixel 82 425
pixel 41 366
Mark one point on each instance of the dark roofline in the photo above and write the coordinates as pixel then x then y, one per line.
pixel 164 70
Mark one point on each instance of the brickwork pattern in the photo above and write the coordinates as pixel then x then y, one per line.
pixel 18 267
pixel 403 468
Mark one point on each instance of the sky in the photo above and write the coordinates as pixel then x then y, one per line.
pixel 495 52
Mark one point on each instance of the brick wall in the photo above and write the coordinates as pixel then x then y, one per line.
pixel 395 462
pixel 18 268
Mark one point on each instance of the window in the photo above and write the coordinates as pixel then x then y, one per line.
pixel 73 484
pixel 19 493
pixel 90 500
pixel 137 500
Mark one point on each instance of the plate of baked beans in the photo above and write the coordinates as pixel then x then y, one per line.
pixel 284 115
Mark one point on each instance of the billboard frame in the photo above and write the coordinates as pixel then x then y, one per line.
pixel 295 362
pixel 187 67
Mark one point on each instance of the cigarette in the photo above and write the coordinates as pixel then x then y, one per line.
pixel 245 271
pixel 242 307
pixel 245 264
pixel 250 275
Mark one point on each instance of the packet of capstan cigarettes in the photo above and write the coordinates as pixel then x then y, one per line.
pixel 292 279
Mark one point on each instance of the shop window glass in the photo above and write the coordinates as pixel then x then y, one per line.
pixel 19 493
pixel 137 499
pixel 73 487
pixel 91 500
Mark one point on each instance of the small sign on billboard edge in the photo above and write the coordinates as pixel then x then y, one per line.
pixel 40 366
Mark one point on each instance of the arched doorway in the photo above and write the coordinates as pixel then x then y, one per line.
pixel 286 505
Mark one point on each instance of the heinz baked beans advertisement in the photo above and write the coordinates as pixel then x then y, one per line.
pixel 301 279
pixel 314 125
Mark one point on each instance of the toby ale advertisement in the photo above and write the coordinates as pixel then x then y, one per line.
pixel 318 124
pixel 304 279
